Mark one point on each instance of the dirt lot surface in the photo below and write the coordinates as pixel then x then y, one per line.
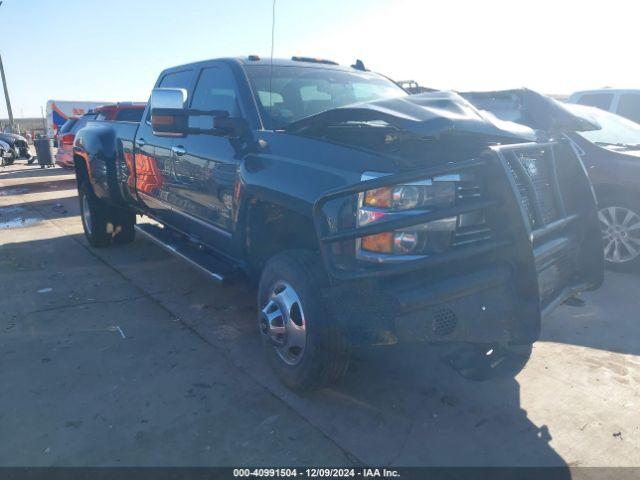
pixel 127 356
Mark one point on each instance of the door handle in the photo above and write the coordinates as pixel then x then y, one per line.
pixel 179 150
pixel 141 142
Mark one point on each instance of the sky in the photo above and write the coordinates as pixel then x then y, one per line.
pixel 113 50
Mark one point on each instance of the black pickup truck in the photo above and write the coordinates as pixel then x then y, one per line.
pixel 366 216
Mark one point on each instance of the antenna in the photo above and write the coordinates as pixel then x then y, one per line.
pixel 273 30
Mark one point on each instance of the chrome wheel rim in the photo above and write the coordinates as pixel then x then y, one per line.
pixel 621 234
pixel 283 324
pixel 86 214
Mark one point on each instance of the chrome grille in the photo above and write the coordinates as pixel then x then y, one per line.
pixel 533 175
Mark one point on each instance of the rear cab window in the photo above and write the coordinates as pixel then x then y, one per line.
pixel 82 121
pixel 68 125
pixel 179 79
pixel 129 115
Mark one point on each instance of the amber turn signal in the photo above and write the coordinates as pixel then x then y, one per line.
pixel 379 197
pixel 380 243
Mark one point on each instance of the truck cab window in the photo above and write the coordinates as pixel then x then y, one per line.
pixel 181 79
pixel 215 90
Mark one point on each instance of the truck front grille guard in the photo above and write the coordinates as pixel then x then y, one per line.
pixel 539 194
pixel 454 254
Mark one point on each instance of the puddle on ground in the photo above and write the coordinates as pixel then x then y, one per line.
pixel 16 217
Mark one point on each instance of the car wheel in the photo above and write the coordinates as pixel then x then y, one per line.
pixel 620 224
pixel 95 217
pixel 487 362
pixel 304 345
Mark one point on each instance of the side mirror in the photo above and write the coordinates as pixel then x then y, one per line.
pixel 169 114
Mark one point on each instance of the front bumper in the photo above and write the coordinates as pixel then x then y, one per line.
pixel 545 247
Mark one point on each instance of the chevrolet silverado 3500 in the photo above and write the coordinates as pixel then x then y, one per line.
pixel 365 215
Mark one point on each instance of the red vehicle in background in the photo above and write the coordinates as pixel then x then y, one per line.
pixel 116 112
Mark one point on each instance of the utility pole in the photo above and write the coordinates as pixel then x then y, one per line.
pixel 6 93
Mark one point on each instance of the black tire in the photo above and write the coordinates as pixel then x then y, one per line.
pixel 325 356
pixel 126 221
pixel 488 362
pixel 95 216
pixel 620 204
pixel 104 224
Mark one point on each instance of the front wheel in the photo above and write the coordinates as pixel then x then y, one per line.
pixel 620 224
pixel 304 345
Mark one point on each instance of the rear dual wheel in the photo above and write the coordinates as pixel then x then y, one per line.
pixel 102 223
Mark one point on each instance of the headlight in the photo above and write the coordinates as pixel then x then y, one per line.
pixel 426 194
pixel 400 200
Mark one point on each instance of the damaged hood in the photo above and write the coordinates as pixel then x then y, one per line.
pixel 424 115
pixel 532 109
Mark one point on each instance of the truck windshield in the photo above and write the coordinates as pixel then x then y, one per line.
pixel 292 93
pixel 616 131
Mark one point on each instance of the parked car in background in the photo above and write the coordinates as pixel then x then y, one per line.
pixel 6 157
pixel 364 214
pixel 625 103
pixel 117 112
pixel 18 146
pixel 121 112
pixel 610 153
pixel 64 155
pixel 612 157
pixel 65 128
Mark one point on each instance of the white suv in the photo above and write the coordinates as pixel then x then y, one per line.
pixel 623 102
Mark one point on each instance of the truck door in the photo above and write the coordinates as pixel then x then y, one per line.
pixel 154 169
pixel 206 165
